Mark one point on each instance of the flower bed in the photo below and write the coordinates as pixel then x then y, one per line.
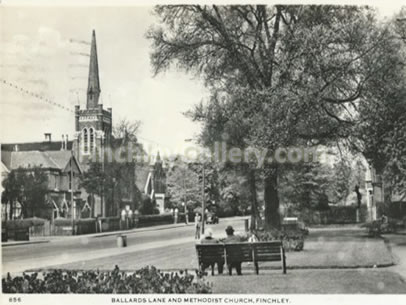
pixel 292 240
pixel 146 280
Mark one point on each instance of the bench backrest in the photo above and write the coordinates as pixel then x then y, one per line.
pixel 268 251
pixel 240 252
pixel 210 253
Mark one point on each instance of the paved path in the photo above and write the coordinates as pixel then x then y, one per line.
pixel 397 244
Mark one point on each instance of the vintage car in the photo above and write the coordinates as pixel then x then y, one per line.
pixel 212 218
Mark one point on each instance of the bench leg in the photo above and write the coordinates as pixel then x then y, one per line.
pixel 230 269
pixel 238 267
pixel 284 262
pixel 220 266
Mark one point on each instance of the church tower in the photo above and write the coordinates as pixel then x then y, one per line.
pixel 93 125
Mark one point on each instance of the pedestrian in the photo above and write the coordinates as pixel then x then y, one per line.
pixel 209 239
pixel 231 238
pixel 253 238
pixel 197 225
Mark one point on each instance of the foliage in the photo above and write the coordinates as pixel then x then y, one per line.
pixel 23 223
pixel 306 185
pixel 278 75
pixel 148 280
pixel 183 184
pixel 113 181
pixel 377 227
pixel 29 187
pixel 291 239
pixel 147 206
pixel 381 128
pixel 235 193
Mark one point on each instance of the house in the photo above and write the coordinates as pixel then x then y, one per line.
pixel 62 171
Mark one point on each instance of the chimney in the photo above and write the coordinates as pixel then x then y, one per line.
pixel 63 143
pixel 48 136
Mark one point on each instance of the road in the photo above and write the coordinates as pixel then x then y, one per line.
pixel 101 252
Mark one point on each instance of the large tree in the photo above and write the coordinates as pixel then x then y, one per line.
pixel 27 186
pixel 183 184
pixel 287 75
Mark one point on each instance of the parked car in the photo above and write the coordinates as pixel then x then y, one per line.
pixel 212 218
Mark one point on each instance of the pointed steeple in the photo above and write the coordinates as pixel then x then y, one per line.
pixel 158 158
pixel 93 87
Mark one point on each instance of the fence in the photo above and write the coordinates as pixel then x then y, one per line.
pixel 63 227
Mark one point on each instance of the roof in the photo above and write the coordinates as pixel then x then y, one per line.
pixel 41 146
pixel 3 168
pixel 397 197
pixel 46 159
pixel 141 176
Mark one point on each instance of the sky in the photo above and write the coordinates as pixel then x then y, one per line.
pixel 45 50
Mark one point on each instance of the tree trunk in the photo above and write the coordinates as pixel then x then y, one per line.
pixel 254 203
pixel 272 219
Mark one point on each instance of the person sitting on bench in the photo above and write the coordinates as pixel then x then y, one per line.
pixel 231 238
pixel 209 239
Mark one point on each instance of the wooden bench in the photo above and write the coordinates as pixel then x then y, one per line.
pixel 255 252
pixel 209 255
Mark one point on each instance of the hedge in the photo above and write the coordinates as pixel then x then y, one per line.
pixel 334 215
pixel 146 280
pixel 156 219
pixel 23 223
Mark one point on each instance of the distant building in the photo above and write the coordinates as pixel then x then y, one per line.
pixel 155 185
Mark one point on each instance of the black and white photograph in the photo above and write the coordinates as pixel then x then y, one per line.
pixel 222 153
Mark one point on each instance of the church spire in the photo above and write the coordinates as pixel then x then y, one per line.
pixel 93 87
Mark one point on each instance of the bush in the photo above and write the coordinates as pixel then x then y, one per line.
pixel 62 222
pixel 291 239
pixel 23 223
pixel 377 227
pixel 151 220
pixel 146 280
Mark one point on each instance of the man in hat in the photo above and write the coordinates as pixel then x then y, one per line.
pixel 231 238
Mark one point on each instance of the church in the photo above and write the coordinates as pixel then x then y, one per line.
pixel 65 161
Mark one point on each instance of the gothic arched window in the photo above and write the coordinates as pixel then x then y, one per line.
pixel 92 144
pixel 85 141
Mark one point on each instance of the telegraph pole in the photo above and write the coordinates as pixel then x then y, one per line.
pixel 72 202
pixel 203 200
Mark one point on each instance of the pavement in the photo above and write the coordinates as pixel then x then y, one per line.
pixel 45 239
pixel 397 246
